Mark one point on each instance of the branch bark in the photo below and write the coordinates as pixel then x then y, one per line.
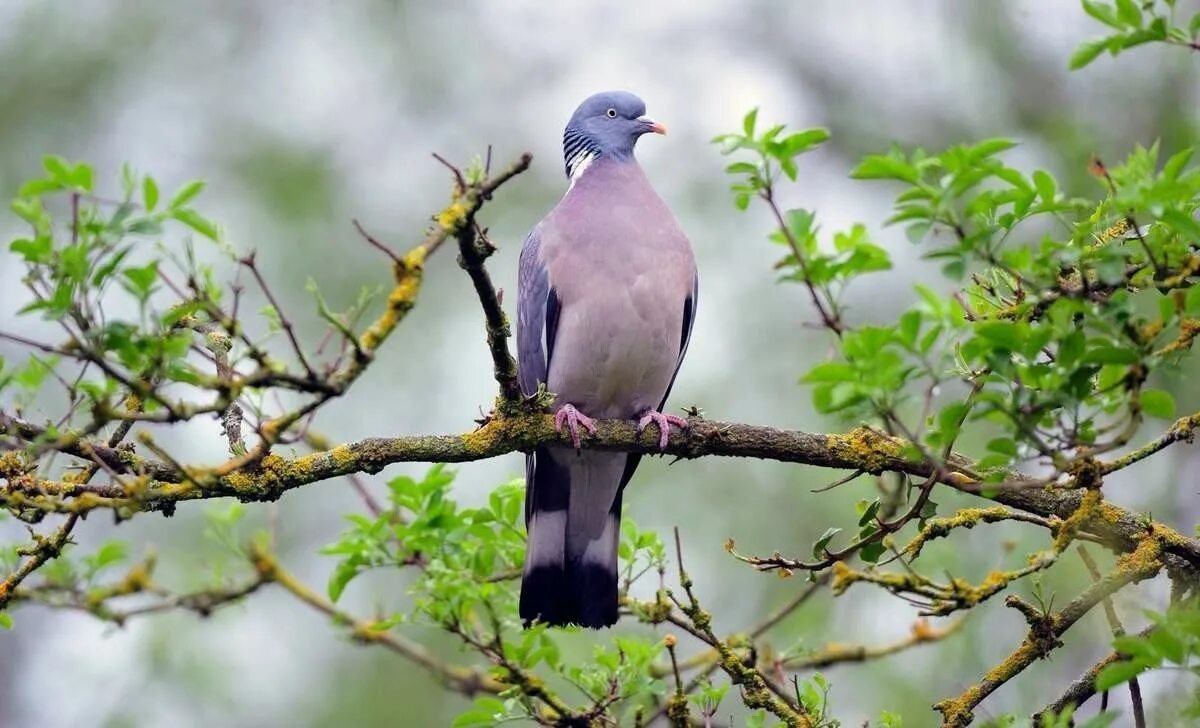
pixel 863 449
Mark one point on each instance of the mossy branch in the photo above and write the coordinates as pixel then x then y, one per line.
pixel 863 449
pixel 1044 630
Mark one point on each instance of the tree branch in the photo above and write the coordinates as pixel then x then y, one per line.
pixel 863 448
pixel 1044 631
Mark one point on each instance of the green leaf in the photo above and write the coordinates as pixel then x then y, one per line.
pixel 1004 446
pixel 831 371
pixel 1108 354
pixel 81 177
pixel 1007 334
pixel 803 141
pixel 109 554
pixel 910 326
pixel 195 221
pixel 868 512
pixel 341 576
pixel 1129 13
pixel 872 551
pixel 140 280
pixel 149 193
pixel 1118 673
pixel 186 194
pixel 1101 720
pixel 58 169
pixel 878 166
pixel 6 620
pixel 1176 164
pixel 749 121
pixel 1102 12
pixel 950 419
pixel 818 549
pixel 1166 643
pixel 1044 183
pixel 1183 223
pixel 485 712
pixel 1087 52
pixel 36 187
pixel 1157 403
pixel 990 147
pixel 38 250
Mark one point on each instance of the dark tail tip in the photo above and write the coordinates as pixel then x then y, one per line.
pixel 542 596
pixel 596 588
pixel 587 596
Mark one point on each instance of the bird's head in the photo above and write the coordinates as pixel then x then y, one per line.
pixel 605 125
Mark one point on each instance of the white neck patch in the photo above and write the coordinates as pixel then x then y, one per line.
pixel 579 164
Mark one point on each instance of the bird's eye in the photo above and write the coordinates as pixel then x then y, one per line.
pixel 612 113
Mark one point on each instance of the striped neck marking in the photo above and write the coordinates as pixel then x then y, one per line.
pixel 578 164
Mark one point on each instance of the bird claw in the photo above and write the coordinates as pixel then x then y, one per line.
pixel 664 422
pixel 573 419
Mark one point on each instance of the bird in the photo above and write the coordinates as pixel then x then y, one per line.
pixel 607 294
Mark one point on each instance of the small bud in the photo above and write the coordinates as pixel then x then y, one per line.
pixel 669 641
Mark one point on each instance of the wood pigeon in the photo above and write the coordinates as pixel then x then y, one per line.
pixel 606 299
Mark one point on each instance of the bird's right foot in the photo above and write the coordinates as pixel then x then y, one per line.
pixel 573 419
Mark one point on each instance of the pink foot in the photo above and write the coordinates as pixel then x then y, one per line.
pixel 664 423
pixel 573 419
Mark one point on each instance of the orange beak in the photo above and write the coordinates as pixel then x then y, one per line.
pixel 654 126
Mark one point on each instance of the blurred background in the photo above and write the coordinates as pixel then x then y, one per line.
pixel 304 115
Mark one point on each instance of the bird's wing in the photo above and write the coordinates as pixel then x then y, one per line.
pixel 689 318
pixel 537 316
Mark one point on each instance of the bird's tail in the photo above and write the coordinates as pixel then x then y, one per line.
pixel 573 516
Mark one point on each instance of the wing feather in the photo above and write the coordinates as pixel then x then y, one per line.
pixel 537 316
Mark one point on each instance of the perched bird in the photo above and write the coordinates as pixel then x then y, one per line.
pixel 607 295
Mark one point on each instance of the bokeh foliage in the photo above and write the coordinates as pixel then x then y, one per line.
pixel 1072 307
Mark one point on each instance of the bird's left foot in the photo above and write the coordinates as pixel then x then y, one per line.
pixel 572 419
pixel 664 422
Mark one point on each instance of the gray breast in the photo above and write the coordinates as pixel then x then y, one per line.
pixel 622 269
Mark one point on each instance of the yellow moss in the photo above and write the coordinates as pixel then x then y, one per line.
pixel 922 631
pixel 1190 266
pixel 843 577
pixel 1189 329
pixel 342 456
pixel 866 448
pixel 994 580
pixel 966 518
pixel 1120 228
pixel 401 299
pixel 1144 559
pixel 239 482
pixel 1088 506
pixel 11 464
pixel 138 579
pixel 484 438
pixel 1183 427
pixel 1169 537
pixel 956 712
pixel 1150 330
pixel 450 218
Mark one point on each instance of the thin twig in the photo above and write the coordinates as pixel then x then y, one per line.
pixel 1114 623
pixel 284 321
pixel 378 245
